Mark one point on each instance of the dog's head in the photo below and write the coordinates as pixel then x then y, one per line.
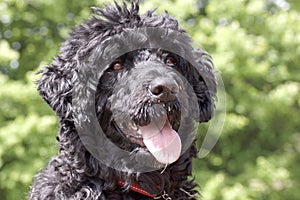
pixel 148 84
pixel 147 99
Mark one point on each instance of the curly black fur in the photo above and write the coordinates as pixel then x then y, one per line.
pixel 75 173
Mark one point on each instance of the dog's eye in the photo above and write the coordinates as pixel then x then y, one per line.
pixel 170 60
pixel 118 65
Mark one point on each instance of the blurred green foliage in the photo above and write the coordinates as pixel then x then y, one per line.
pixel 254 43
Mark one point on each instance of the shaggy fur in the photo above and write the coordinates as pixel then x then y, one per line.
pixel 75 173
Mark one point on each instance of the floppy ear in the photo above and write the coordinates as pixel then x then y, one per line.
pixel 55 87
pixel 204 84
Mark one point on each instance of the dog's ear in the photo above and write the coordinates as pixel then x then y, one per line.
pixel 55 87
pixel 204 84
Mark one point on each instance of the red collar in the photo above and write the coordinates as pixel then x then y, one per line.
pixel 136 188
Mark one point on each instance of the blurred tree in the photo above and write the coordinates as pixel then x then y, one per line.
pixel 26 124
pixel 30 33
pixel 256 46
pixel 32 30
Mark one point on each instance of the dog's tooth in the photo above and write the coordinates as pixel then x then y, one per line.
pixel 169 108
pixel 139 132
pixel 133 126
pixel 164 105
pixel 180 87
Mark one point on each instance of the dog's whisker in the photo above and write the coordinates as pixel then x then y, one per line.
pixel 164 169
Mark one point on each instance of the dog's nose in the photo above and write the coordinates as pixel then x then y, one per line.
pixel 164 90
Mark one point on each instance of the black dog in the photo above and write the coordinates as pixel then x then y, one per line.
pixel 139 78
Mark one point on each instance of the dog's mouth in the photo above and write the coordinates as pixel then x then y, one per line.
pixel 159 136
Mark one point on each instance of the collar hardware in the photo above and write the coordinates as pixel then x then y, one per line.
pixel 136 188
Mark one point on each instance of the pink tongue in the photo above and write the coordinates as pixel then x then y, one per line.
pixel 162 141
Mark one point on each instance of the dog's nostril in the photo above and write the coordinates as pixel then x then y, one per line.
pixel 157 90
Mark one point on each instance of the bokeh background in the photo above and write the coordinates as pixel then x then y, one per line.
pixel 255 45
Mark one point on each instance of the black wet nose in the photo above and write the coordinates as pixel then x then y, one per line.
pixel 164 90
